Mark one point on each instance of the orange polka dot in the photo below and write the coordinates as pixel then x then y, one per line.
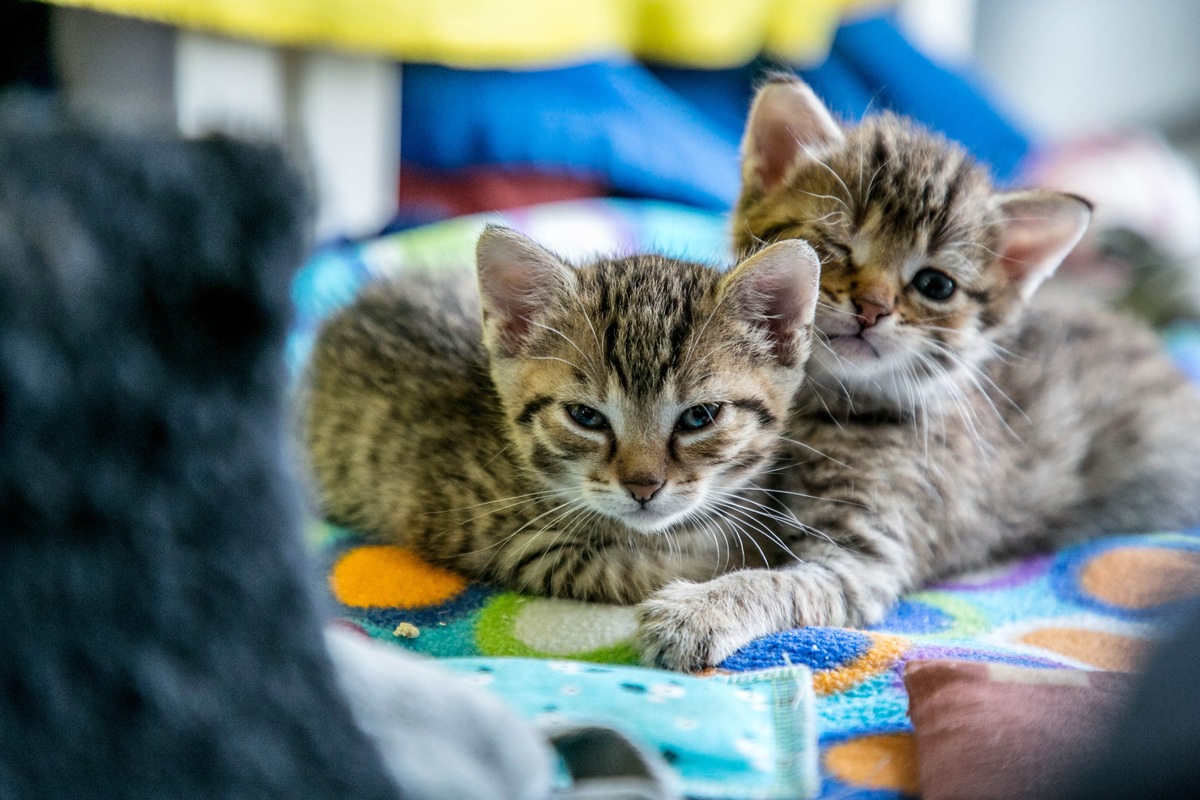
pixel 391 577
pixel 882 654
pixel 1104 650
pixel 1142 577
pixel 877 761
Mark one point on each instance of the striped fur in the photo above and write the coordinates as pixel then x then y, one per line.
pixel 946 434
pixel 422 434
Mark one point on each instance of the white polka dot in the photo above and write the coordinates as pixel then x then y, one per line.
pixel 567 627
pixel 758 754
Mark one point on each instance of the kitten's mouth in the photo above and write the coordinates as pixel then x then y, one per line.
pixel 851 344
pixel 649 519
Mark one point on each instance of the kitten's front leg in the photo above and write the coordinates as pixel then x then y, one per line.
pixel 690 626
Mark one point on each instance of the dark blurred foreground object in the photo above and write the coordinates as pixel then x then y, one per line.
pixel 1154 750
pixel 24 45
pixel 149 529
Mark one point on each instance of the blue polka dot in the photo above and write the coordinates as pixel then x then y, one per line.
pixel 817 648
pixel 911 616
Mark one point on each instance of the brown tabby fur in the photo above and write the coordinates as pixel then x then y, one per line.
pixel 947 433
pixel 421 433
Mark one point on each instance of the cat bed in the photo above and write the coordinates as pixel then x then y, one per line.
pixel 1091 606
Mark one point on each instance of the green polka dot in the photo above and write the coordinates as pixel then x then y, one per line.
pixel 968 619
pixel 496 635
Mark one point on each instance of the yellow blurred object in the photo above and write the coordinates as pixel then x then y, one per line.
pixel 515 33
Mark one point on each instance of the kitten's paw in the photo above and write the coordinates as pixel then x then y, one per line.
pixel 689 626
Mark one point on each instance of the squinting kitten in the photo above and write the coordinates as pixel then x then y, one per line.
pixel 943 424
pixel 593 444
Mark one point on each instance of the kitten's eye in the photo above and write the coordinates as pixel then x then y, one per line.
pixel 698 417
pixel 587 416
pixel 933 284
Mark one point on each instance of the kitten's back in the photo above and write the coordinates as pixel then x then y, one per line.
pixel 1109 424
pixel 398 388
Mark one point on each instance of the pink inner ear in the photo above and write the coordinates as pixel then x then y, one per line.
pixel 777 149
pixel 778 291
pixel 786 121
pixel 508 303
pixel 1042 228
pixel 516 280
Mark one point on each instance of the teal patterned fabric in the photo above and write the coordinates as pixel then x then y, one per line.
pixel 730 736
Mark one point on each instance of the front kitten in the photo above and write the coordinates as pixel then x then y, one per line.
pixel 595 440
pixel 943 424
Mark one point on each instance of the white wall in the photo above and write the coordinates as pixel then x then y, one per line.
pixel 1072 66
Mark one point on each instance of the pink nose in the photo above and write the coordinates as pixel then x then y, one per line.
pixel 643 488
pixel 868 313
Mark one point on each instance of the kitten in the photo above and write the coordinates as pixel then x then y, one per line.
pixel 588 446
pixel 942 424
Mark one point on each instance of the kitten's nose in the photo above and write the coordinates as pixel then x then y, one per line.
pixel 643 487
pixel 868 312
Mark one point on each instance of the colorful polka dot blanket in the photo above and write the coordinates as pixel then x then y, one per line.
pixel 804 712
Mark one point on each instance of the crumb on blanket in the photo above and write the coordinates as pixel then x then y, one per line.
pixel 407 630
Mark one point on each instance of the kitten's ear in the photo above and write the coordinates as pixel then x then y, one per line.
pixel 775 290
pixel 787 122
pixel 1040 228
pixel 517 281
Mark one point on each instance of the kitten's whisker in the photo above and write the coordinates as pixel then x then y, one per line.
pixel 750 518
pixel 783 515
pixel 717 511
pixel 874 176
pixel 825 499
pixel 568 340
pixel 978 377
pixel 812 449
pixel 523 527
pixel 588 319
pixel 955 394
pixel 827 197
pixel 835 213
pixel 849 196
pixel 835 309
pixel 499 453
pixel 489 512
pixel 565 510
pixel 980 246
pixel 570 364
pixel 543 493
pixel 741 534
pixel 719 536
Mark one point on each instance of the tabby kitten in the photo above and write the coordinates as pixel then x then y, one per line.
pixel 943 423
pixel 589 444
